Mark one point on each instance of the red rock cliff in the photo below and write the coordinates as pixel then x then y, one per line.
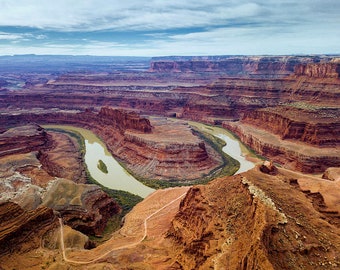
pixel 318 70
pixel 263 66
pixel 22 230
pixel 251 221
pixel 22 139
pixel 165 152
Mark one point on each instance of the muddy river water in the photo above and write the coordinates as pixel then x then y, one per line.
pixel 118 178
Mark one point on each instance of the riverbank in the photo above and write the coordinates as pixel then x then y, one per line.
pixel 208 133
pixel 125 199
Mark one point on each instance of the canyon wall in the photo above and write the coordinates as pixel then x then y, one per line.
pixel 166 151
pixel 259 66
pixel 85 208
pixel 252 221
pixel 21 231
pixel 319 70
pixel 22 139
pixel 319 126
pixel 302 106
pixel 291 154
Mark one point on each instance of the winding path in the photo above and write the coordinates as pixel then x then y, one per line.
pixel 115 248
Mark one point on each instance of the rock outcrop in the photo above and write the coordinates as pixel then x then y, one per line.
pixel 312 125
pixel 63 158
pixel 165 151
pixel 23 139
pixel 22 231
pixel 259 66
pixel 251 221
pixel 318 70
pixel 332 174
pixel 124 120
pixel 289 153
pixel 85 208
pixel 294 97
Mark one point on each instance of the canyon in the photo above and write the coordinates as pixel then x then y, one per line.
pixel 283 214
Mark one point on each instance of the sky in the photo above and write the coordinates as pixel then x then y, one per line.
pixel 169 27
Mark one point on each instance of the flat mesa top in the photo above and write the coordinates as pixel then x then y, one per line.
pixel 166 131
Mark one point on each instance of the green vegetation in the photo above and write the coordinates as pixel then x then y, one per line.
pixel 113 224
pixel 75 135
pixel 125 199
pixel 102 166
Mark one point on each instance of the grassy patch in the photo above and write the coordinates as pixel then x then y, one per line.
pixel 102 166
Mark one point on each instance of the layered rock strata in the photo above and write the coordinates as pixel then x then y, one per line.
pixel 30 160
pixel 252 221
pixel 302 107
pixel 63 158
pixel 323 70
pixel 289 153
pixel 165 151
pixel 85 208
pixel 264 66
pixel 22 231
pixel 171 152
pixel 312 125
pixel 23 139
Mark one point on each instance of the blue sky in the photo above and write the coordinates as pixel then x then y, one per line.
pixel 176 27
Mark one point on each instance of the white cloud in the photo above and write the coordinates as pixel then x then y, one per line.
pixel 221 26
pixel 133 14
pixel 20 36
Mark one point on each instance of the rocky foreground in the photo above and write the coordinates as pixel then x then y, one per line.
pixel 275 219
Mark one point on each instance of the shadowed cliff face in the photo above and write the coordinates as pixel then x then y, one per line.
pixel 21 231
pixel 252 221
pixel 324 70
pixel 85 208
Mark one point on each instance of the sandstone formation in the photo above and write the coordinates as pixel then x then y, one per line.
pixel 63 158
pixel 324 70
pixel 22 139
pixel 26 176
pixel 252 221
pixel 164 151
pixel 285 108
pixel 289 153
pixel 315 125
pixel 85 208
pixel 302 107
pixel 332 174
pixel 260 66
pixel 21 231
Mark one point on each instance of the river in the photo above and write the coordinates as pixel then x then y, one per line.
pixel 119 179
pixel 233 147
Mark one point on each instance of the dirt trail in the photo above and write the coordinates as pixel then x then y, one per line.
pixel 131 237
